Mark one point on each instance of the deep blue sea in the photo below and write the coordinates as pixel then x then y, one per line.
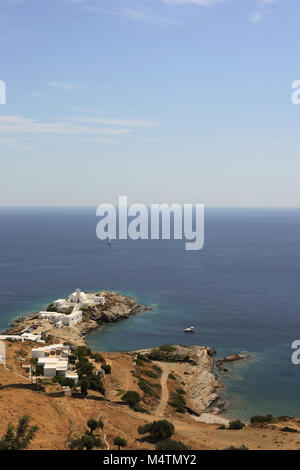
pixel 242 291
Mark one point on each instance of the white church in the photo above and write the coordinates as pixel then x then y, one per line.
pixel 76 300
pixel 79 297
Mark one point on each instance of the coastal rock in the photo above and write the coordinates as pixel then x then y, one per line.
pixel 195 364
pixel 229 359
pixel 202 387
pixel 116 308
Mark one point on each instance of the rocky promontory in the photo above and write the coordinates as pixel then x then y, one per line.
pixel 193 366
pixel 116 308
pixel 228 360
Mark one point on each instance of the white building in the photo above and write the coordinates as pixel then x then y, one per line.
pixel 53 366
pixel 31 337
pixel 77 297
pixel 73 318
pixel 67 320
pixel 54 360
pixel 60 303
pixel 51 350
pixel 52 316
pixel 99 299
pixel 22 337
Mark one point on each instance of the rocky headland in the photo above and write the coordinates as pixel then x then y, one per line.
pixel 116 308
pixel 193 367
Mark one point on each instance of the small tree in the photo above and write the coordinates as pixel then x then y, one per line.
pixel 37 369
pixel 18 438
pixel 157 355
pixel 96 384
pixel 84 387
pixel 92 424
pixel 120 442
pixel 106 368
pixel 236 425
pixel 131 398
pixel 99 358
pixel 86 442
pixel 84 367
pixel 158 430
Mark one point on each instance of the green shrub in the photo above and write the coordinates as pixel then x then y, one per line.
pixel 84 367
pixel 236 425
pixel 155 385
pixel 142 358
pixel 283 418
pixel 178 402
pixel 120 442
pixel 95 383
pixel 167 348
pixel 64 381
pixel 147 388
pixel 157 355
pixel 83 351
pixel 51 308
pixel 92 424
pixel 19 437
pixel 259 419
pixel 157 369
pixel 172 377
pixel 106 368
pixel 98 357
pixel 138 408
pixel 149 373
pixel 86 442
pixel 131 398
pixel 72 359
pixel 159 430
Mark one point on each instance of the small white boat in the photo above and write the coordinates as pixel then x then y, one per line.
pixel 191 329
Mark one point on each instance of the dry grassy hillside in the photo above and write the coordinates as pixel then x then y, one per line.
pixel 61 418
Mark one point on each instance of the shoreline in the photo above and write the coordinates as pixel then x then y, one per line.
pixel 118 307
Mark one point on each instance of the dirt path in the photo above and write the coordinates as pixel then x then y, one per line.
pixel 104 435
pixel 160 410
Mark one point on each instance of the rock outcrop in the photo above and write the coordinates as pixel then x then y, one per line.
pixel 194 366
pixel 116 308
pixel 202 386
pixel 229 359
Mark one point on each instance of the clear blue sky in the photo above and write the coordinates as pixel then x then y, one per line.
pixel 160 100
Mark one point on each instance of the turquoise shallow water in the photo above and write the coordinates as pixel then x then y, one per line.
pixel 241 291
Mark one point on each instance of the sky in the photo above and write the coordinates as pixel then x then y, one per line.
pixel 161 100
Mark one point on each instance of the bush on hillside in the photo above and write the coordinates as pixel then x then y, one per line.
pixel 236 425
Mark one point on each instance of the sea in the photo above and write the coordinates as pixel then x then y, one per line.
pixel 241 292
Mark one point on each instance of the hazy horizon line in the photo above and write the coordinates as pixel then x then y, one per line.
pixel 29 206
